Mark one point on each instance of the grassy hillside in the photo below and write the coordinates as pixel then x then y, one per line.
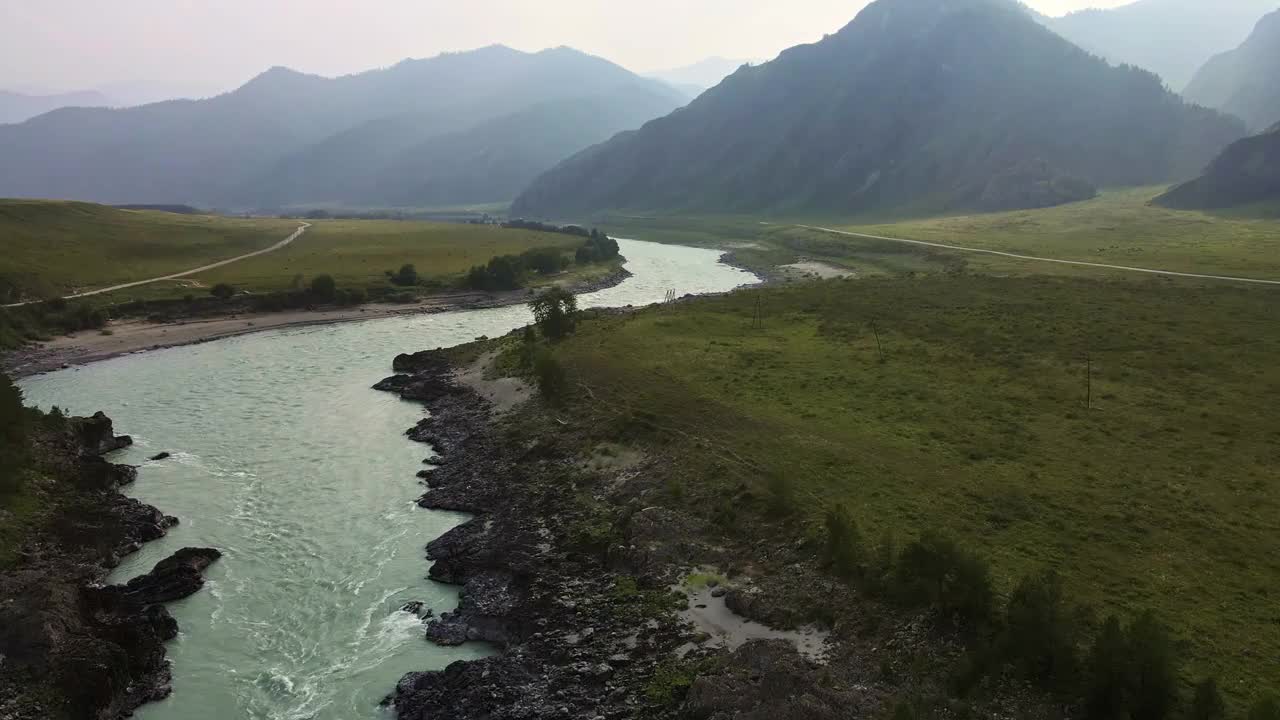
pixel 358 253
pixel 960 403
pixel 54 248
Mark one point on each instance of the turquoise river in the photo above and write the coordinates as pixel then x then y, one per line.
pixel 287 461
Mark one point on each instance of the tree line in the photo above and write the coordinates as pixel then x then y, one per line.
pixel 1113 671
pixel 508 272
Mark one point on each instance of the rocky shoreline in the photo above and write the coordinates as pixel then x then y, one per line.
pixel 70 646
pixel 587 627
pixel 548 610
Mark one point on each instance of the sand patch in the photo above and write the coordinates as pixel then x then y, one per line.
pixel 504 393
pixel 709 614
pixel 812 269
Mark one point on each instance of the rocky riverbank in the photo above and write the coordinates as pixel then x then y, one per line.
pixel 70 646
pixel 608 596
pixel 548 609
pixel 575 580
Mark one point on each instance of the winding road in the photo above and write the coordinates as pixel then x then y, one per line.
pixel 1015 256
pixel 186 273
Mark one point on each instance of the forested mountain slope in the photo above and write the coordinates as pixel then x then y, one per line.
pixel 925 105
pixel 1245 173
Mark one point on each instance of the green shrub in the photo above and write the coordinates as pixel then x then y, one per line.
pixel 1133 671
pixel 406 277
pixel 1108 673
pixel 1207 702
pixel 1040 636
pixel 528 347
pixel 324 287
pixel 934 571
pixel 555 313
pixel 1153 682
pixel 222 291
pixel 552 382
pixel 844 542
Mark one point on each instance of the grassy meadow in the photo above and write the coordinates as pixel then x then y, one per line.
pixel 1151 485
pixel 54 248
pixel 1120 227
pixel 357 253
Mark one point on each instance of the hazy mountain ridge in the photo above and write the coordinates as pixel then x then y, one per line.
pixel 698 77
pixel 1171 38
pixel 16 107
pixel 1245 173
pixel 1245 81
pixel 937 106
pixel 227 149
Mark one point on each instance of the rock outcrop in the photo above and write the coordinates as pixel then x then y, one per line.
pixel 71 647
pixel 568 646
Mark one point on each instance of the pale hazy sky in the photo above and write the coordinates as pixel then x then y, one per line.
pixel 213 45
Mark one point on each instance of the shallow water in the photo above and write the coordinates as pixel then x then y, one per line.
pixel 285 460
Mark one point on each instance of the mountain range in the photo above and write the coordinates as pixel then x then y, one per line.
pixel 468 127
pixel 1172 38
pixel 16 107
pixel 1246 81
pixel 937 105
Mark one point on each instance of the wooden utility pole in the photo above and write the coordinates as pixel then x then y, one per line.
pixel 879 347
pixel 1088 383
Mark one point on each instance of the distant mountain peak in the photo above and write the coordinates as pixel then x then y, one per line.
pixel 1244 81
pixel 467 127
pixel 925 104
pixel 1172 38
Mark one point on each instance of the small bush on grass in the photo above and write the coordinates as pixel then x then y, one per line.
pixel 552 382
pixel 844 542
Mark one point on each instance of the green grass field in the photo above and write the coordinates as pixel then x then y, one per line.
pixel 357 253
pixel 55 248
pixel 1120 227
pixel 1163 494
pixel 1117 228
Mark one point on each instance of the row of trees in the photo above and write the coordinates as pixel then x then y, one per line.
pixel 598 248
pixel 1128 671
pixel 507 272
pixel 53 317
pixel 321 289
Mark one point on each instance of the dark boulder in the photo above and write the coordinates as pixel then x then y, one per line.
pixel 95 434
pixel 98 474
pixel 176 577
